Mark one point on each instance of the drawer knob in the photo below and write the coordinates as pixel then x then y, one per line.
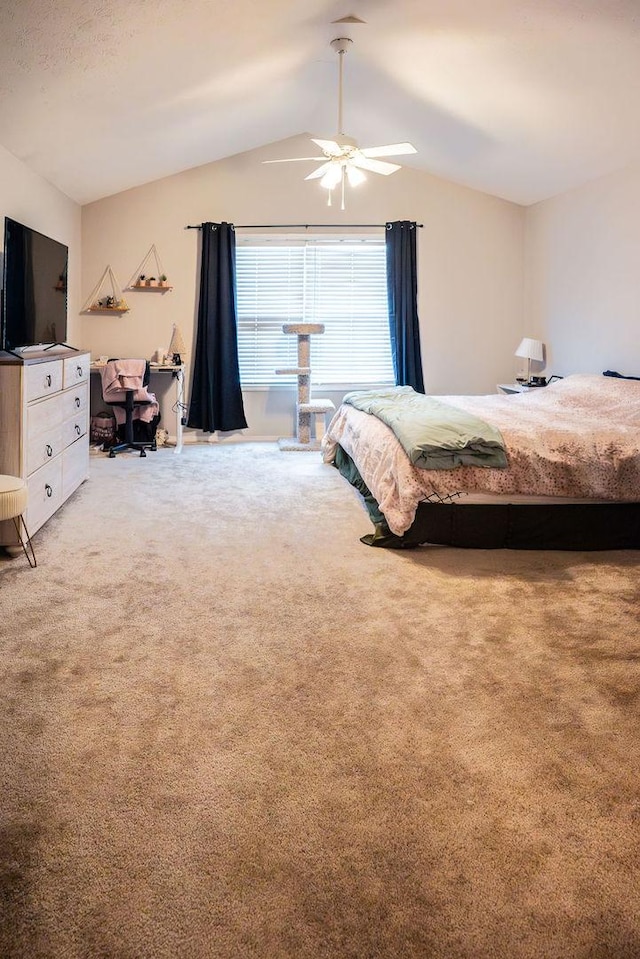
pixel 49 450
pixel 78 430
pixel 48 490
pixel 78 402
pixel 47 379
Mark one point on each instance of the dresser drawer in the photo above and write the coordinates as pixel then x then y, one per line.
pixel 75 400
pixel 76 370
pixel 75 427
pixel 42 379
pixel 44 447
pixel 44 415
pixel 75 467
pixel 45 494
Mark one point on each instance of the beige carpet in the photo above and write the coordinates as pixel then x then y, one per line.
pixel 228 729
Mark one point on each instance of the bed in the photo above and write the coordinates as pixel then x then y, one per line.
pixel 571 480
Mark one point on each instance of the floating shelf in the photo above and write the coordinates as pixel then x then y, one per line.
pixel 143 269
pixel 107 309
pixel 150 289
pixel 113 302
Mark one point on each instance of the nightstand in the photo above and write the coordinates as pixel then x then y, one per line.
pixel 512 388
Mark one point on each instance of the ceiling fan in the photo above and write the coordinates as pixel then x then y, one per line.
pixel 343 161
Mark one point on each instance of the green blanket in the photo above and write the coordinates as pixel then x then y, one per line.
pixel 434 435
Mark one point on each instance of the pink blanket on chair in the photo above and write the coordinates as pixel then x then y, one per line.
pixel 118 376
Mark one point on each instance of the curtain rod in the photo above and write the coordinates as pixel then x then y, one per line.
pixel 296 226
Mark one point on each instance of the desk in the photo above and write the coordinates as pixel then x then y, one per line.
pixel 512 388
pixel 177 375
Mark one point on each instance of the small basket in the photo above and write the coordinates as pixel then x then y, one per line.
pixel 103 428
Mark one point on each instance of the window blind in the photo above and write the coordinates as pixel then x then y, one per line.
pixel 341 283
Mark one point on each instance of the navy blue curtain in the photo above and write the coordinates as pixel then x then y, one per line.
pixel 216 397
pixel 402 294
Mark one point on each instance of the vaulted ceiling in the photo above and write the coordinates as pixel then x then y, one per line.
pixel 519 98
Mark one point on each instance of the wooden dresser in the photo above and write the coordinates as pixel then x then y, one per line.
pixel 44 429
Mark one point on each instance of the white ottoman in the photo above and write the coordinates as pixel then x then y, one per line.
pixel 13 503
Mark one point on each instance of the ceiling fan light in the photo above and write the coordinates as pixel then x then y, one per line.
pixel 332 177
pixel 354 175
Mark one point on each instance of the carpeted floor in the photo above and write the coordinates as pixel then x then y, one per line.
pixel 228 729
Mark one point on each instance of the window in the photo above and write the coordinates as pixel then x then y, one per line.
pixel 341 283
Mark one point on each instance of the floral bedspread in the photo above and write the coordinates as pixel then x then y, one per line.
pixel 577 438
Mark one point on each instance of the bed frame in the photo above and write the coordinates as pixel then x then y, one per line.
pixel 574 526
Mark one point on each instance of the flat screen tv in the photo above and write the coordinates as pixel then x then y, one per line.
pixel 34 301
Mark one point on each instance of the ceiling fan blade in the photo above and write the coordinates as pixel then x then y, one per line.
pixel 392 150
pixel 329 146
pixel 295 160
pixel 320 171
pixel 376 166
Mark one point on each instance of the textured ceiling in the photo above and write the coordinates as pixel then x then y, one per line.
pixel 520 98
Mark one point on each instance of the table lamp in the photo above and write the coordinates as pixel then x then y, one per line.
pixel 530 350
pixel 177 349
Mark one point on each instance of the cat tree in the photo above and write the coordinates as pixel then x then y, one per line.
pixel 305 407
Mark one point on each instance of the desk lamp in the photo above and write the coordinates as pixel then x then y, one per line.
pixel 177 349
pixel 530 350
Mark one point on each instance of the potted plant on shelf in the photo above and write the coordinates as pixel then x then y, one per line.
pixel 140 280
pixel 162 279
pixel 151 281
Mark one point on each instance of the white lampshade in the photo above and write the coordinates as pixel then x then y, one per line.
pixel 355 176
pixel 332 177
pixel 531 349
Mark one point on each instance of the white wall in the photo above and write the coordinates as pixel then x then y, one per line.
pixel 470 262
pixel 583 293
pixel 26 197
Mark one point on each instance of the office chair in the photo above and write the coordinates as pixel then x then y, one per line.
pixel 124 385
